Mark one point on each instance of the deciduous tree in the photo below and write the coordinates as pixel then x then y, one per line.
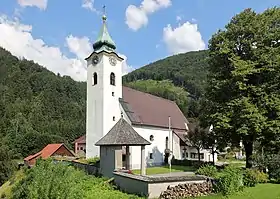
pixel 243 85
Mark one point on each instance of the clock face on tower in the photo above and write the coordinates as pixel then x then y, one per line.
pixel 112 61
pixel 95 60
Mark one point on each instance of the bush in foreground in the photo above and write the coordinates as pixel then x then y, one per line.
pixel 207 170
pixel 56 180
pixel 229 181
pixel 253 176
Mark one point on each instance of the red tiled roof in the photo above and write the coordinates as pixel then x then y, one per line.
pixel 46 152
pixel 146 109
pixel 81 140
pixel 32 156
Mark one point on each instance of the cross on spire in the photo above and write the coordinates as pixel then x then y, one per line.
pixel 104 14
pixel 104 10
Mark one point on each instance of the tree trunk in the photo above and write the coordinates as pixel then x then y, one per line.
pixel 213 155
pixel 248 145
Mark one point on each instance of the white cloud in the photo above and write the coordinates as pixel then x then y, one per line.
pixel 42 4
pixel 178 18
pixel 184 38
pixel 89 4
pixel 79 46
pixel 17 38
pixel 137 17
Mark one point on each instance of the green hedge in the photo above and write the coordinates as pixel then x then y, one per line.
pixel 194 163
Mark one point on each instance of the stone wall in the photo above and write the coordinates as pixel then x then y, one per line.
pixel 151 186
pixel 89 169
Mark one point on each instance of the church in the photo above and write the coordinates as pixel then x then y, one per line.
pixel 158 120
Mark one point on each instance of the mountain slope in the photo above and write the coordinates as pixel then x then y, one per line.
pixel 37 106
pixel 186 70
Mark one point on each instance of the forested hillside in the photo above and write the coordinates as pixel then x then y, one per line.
pixel 188 71
pixel 37 106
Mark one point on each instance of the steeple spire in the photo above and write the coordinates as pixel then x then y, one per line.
pixel 104 40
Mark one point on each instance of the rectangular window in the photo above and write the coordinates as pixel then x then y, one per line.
pixel 123 157
pixel 193 155
pixel 201 155
pixel 151 155
pixel 113 94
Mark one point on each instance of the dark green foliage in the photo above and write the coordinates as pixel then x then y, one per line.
pixel 193 163
pixel 196 135
pixel 229 181
pixel 207 170
pixel 56 180
pixel 188 71
pixel 38 107
pixel 7 165
pixel 242 95
pixel 271 162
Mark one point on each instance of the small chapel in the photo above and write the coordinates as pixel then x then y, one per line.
pixel 158 121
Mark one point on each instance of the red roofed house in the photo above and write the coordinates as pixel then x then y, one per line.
pixel 51 150
pixel 108 100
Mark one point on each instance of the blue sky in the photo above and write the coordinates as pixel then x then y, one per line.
pixel 58 33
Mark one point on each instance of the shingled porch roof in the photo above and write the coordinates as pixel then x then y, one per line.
pixel 122 134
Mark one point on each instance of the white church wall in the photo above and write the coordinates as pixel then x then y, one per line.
pixel 157 146
pixel 176 147
pixel 111 94
pixel 102 101
pixel 94 127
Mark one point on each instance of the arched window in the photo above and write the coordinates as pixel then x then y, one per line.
pixel 112 79
pixel 94 79
pixel 166 142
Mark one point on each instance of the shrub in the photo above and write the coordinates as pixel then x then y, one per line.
pixel 270 162
pixel 93 160
pixel 229 181
pixel 207 170
pixel 194 163
pixel 262 177
pixel 250 178
pixel 49 180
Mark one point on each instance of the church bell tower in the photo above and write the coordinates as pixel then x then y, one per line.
pixel 104 88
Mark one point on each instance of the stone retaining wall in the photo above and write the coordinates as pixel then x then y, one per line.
pixel 151 186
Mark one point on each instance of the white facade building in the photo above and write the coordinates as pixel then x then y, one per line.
pixel 158 120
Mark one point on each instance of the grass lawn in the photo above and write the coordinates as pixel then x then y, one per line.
pixel 261 191
pixel 239 163
pixel 165 169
